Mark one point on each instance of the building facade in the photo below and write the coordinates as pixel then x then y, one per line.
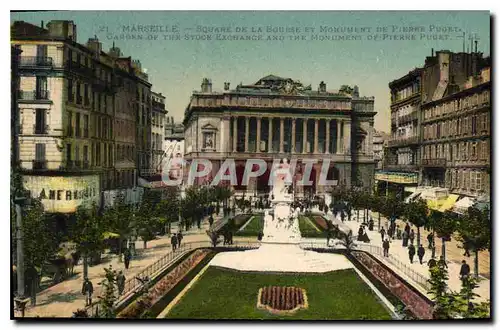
pixel 456 139
pixel 379 143
pixel 158 114
pixel 441 75
pixel 174 148
pixel 74 113
pixel 277 118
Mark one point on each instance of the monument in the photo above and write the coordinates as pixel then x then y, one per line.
pixel 280 250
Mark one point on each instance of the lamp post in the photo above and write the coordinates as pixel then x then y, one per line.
pixel 21 300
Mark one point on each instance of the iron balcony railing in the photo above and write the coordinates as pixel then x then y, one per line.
pixel 34 95
pixel 40 129
pixel 35 61
pixel 437 162
pixel 403 141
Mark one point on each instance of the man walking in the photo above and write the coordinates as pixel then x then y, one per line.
pixel 120 282
pixel 405 238
pixel 179 239
pixel 421 253
pixel 173 242
pixel 430 239
pixel 442 262
pixel 382 233
pixel 386 246
pixel 126 257
pixel 411 252
pixel 87 290
pixel 464 271
pixel 432 263
pixel 412 236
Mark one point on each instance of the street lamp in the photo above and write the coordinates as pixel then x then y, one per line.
pixel 21 300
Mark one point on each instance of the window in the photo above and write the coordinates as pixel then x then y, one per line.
pixel 78 94
pixel 473 151
pixel 70 90
pixel 68 152
pixel 40 121
pixel 77 125
pixel 70 124
pixel 85 155
pixel 478 181
pixel 86 126
pixel 77 153
pixel 41 51
pixel 472 180
pixel 39 162
pixel 41 88
pixel 86 94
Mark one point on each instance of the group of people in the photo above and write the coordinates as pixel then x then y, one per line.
pixel 88 287
pixel 362 235
pixel 176 240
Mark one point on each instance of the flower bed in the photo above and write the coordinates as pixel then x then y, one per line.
pixel 281 300
pixel 320 222
pixel 162 287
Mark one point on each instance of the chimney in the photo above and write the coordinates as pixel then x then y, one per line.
pixel 41 24
pixel 115 51
pixel 322 87
pixel 94 45
pixel 206 86
pixel 226 86
pixel 432 52
pixel 62 29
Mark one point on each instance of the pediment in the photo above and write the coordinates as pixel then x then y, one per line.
pixel 209 127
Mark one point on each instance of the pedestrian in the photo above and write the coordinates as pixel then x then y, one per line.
pixel 342 216
pixel 430 240
pixel 87 290
pixel 173 242
pixel 421 253
pixel 259 237
pixel 371 224
pixel 404 235
pixel 179 239
pixel 464 271
pixel 412 236
pixel 120 282
pixel 442 263
pixel 386 246
pixel 407 229
pixel 398 232
pixel 211 220
pixel 411 252
pixel 126 257
pixel 390 232
pixel 360 233
pixel 466 249
pixel 382 233
pixel 393 229
pixel 432 263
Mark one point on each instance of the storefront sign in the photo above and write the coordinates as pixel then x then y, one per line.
pixel 63 194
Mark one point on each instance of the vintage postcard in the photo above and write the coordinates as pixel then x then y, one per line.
pixel 243 165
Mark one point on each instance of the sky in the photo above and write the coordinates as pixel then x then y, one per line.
pixel 376 56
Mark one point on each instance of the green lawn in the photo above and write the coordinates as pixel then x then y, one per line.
pixel 253 228
pixel 307 229
pixel 226 294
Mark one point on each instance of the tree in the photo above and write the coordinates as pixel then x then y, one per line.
pixel 120 220
pixel 443 305
pixel 444 225
pixel 40 244
pixel 416 213
pixel 347 241
pixel 392 207
pixel 87 233
pixel 474 229
pixel 107 302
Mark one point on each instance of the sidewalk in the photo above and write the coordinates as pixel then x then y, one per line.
pixel 64 298
pixel 401 253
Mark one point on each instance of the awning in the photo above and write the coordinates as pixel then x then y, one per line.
pixel 449 203
pixel 412 196
pixel 463 204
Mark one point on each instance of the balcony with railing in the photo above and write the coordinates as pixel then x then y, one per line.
pixel 39 164
pixel 79 68
pixel 403 141
pixel 400 167
pixel 40 95
pixel 35 61
pixel 437 162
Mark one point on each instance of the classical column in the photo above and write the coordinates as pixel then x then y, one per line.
pixel 282 134
pixel 293 136
pixel 316 135
pixel 327 143
pixel 270 135
pixel 247 130
pixel 257 143
pixel 339 142
pixel 304 136
pixel 347 137
pixel 235 133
